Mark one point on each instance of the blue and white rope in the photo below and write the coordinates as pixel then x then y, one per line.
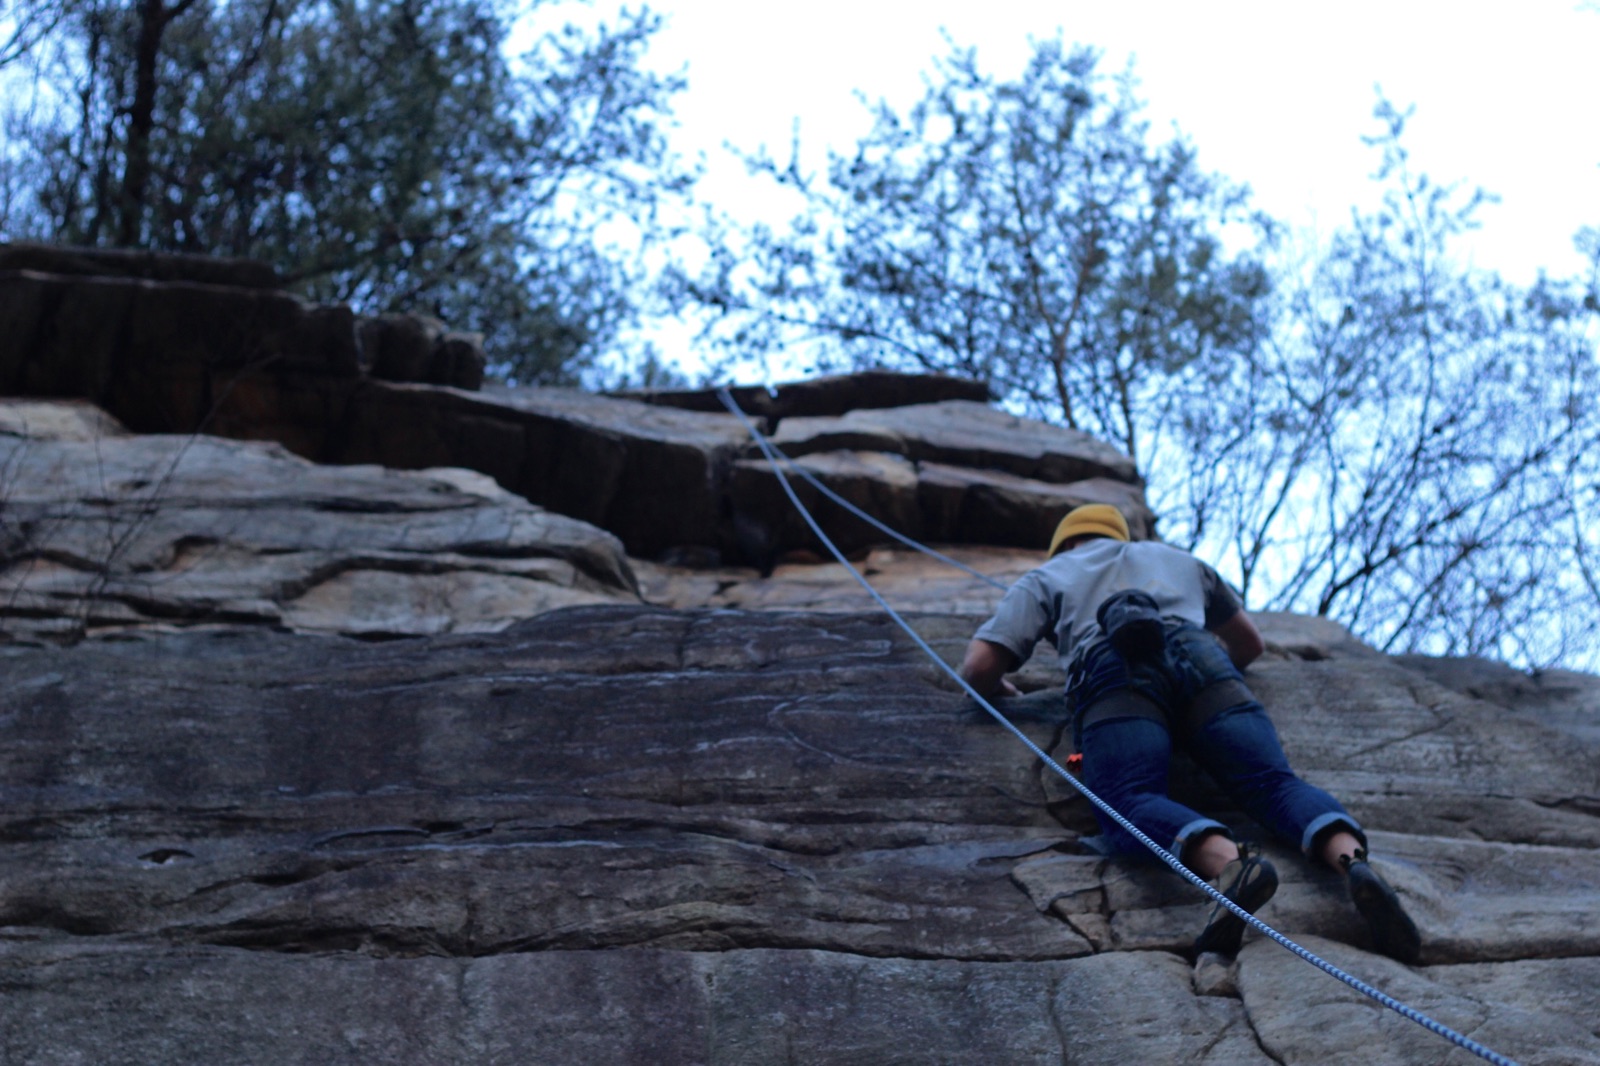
pixel 772 456
pixel 770 449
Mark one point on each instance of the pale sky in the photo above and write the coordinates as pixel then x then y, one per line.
pixel 1276 95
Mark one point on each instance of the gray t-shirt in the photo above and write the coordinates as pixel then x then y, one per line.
pixel 1057 601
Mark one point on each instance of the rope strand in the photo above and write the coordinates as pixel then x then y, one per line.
pixel 865 517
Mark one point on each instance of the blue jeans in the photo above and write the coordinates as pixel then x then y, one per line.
pixel 1127 719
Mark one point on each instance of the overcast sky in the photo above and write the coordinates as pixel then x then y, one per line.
pixel 1277 95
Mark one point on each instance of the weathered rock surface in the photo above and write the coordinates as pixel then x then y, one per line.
pixel 828 396
pixel 966 433
pixel 668 481
pixel 643 1006
pixel 80 486
pixel 102 529
pixel 183 344
pixel 630 834
pixel 909 580
pixel 1550 1019
pixel 742 821
pixel 1564 699
pixel 163 341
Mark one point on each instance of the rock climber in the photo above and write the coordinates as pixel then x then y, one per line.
pixel 1153 642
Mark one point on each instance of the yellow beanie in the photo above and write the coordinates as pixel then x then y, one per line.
pixel 1100 519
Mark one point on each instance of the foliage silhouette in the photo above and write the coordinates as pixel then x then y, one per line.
pixel 379 152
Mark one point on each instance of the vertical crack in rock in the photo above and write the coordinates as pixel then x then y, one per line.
pixel 1062 1028
pixel 1255 1033
pixel 1216 1040
pixel 776 718
pixel 1094 939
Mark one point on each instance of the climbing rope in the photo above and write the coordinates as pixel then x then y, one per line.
pixel 869 519
pixel 773 455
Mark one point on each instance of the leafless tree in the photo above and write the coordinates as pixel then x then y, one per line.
pixel 1361 427
pixel 1405 452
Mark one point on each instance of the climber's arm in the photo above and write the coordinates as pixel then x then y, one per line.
pixel 1242 639
pixel 985 667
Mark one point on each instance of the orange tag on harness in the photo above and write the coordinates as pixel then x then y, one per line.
pixel 1075 762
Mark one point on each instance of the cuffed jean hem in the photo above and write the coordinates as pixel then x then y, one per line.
pixel 1324 823
pixel 1196 829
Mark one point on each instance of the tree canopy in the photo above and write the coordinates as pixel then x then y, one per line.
pixel 1355 425
pixel 1024 232
pixel 381 152
pixel 1400 453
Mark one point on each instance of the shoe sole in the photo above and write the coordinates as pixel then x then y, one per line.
pixel 1393 932
pixel 1225 931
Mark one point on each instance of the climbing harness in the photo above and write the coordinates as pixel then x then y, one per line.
pixel 774 457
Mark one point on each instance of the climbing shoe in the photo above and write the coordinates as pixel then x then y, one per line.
pixel 1393 932
pixel 1250 880
pixel 1132 623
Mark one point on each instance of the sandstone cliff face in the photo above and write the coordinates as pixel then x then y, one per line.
pixel 405 762
pixel 104 531
pixel 175 345
pixel 629 834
